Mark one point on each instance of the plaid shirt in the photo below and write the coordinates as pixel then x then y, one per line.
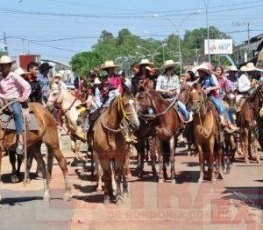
pixel 167 83
pixel 44 84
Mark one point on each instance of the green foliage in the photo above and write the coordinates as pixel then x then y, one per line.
pixel 127 49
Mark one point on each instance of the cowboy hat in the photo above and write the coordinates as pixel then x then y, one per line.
pixel 146 62
pixel 6 60
pixel 203 67
pixel 97 81
pixel 249 67
pixel 58 75
pixel 169 63
pixel 107 65
pixel 233 68
pixel 20 71
pixel 44 66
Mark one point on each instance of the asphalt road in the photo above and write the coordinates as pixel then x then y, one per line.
pixel 233 203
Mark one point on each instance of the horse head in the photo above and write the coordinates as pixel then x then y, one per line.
pixel 197 98
pixel 128 109
pixel 55 96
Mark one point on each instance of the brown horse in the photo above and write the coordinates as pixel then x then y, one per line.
pixel 206 133
pixel 47 134
pixel 109 143
pixel 167 128
pixel 247 119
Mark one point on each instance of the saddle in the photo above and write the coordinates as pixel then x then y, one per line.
pixel 8 123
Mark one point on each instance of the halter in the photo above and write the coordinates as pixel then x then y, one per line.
pixel 125 116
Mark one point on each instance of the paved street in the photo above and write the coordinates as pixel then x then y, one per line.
pixel 234 203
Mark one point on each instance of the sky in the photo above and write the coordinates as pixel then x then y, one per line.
pixel 58 29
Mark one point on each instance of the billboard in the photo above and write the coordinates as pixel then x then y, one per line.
pixel 219 46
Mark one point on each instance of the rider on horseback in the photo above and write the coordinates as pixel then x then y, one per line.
pixel 210 88
pixel 14 88
pixel 168 85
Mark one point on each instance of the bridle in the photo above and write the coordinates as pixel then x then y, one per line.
pixel 125 116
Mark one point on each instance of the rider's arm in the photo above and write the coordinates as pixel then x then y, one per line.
pixel 24 87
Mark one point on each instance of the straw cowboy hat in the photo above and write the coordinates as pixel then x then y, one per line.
pixel 146 62
pixel 107 65
pixel 233 68
pixel 203 67
pixel 20 72
pixel 97 81
pixel 169 63
pixel 6 60
pixel 249 67
pixel 58 75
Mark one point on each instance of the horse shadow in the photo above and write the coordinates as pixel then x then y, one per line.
pixel 12 201
pixel 6 178
pixel 251 196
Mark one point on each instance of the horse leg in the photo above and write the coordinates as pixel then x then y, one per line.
pixel 173 143
pixel 153 158
pixel 125 187
pixel 245 144
pixel 41 164
pixel 56 152
pixel 28 165
pixel 12 159
pixel 99 172
pixel 160 160
pixel 201 163
pixel 221 157
pixel 211 159
pixel 118 174
pixel 105 165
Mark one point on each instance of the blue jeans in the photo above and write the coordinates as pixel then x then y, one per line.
pixel 220 107
pixel 183 110
pixel 17 113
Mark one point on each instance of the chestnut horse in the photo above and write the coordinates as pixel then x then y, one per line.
pixel 109 143
pixel 206 133
pixel 247 119
pixel 167 128
pixel 47 134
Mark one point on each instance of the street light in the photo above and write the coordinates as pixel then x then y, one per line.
pixel 177 29
pixel 153 54
pixel 206 2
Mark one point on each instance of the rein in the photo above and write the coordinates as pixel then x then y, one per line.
pixel 124 114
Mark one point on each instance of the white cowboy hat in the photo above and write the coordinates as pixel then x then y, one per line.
pixel 58 75
pixel 6 60
pixel 233 68
pixel 146 62
pixel 20 71
pixel 203 67
pixel 249 67
pixel 97 81
pixel 169 63
pixel 108 64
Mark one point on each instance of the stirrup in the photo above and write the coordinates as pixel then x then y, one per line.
pixel 19 148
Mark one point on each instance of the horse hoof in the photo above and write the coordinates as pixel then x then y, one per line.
pixel 119 201
pixel 14 178
pixel 46 197
pixel 200 180
pixel 67 196
pixel 140 174
pixel 258 161
pixel 160 181
pixel 106 200
pixel 99 189
pixel 174 181
pixel 39 174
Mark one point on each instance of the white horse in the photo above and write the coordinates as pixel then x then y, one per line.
pixel 69 104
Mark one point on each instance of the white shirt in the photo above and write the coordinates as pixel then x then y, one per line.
pixel 243 83
pixel 167 83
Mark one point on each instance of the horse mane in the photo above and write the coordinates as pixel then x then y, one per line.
pixel 157 95
pixel 254 94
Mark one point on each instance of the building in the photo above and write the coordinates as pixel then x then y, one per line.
pixel 247 50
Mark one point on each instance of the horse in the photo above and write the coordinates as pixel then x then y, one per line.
pixel 69 105
pixel 248 119
pixel 47 134
pixel 168 128
pixel 206 133
pixel 109 142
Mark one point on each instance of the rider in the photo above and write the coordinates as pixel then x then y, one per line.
pixel 210 88
pixel 222 81
pixel 36 93
pixel 14 87
pixel 116 88
pixel 168 85
pixel 43 78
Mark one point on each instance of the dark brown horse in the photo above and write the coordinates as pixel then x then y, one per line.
pixel 47 134
pixel 167 129
pixel 206 133
pixel 247 119
pixel 109 143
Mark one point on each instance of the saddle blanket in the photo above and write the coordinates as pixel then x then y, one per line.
pixel 9 123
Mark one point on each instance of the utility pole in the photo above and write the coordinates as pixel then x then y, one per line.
pixel 248 40
pixel 5 42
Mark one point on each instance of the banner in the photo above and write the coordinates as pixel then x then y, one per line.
pixel 219 46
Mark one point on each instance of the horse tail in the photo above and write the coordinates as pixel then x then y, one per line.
pixel 50 160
